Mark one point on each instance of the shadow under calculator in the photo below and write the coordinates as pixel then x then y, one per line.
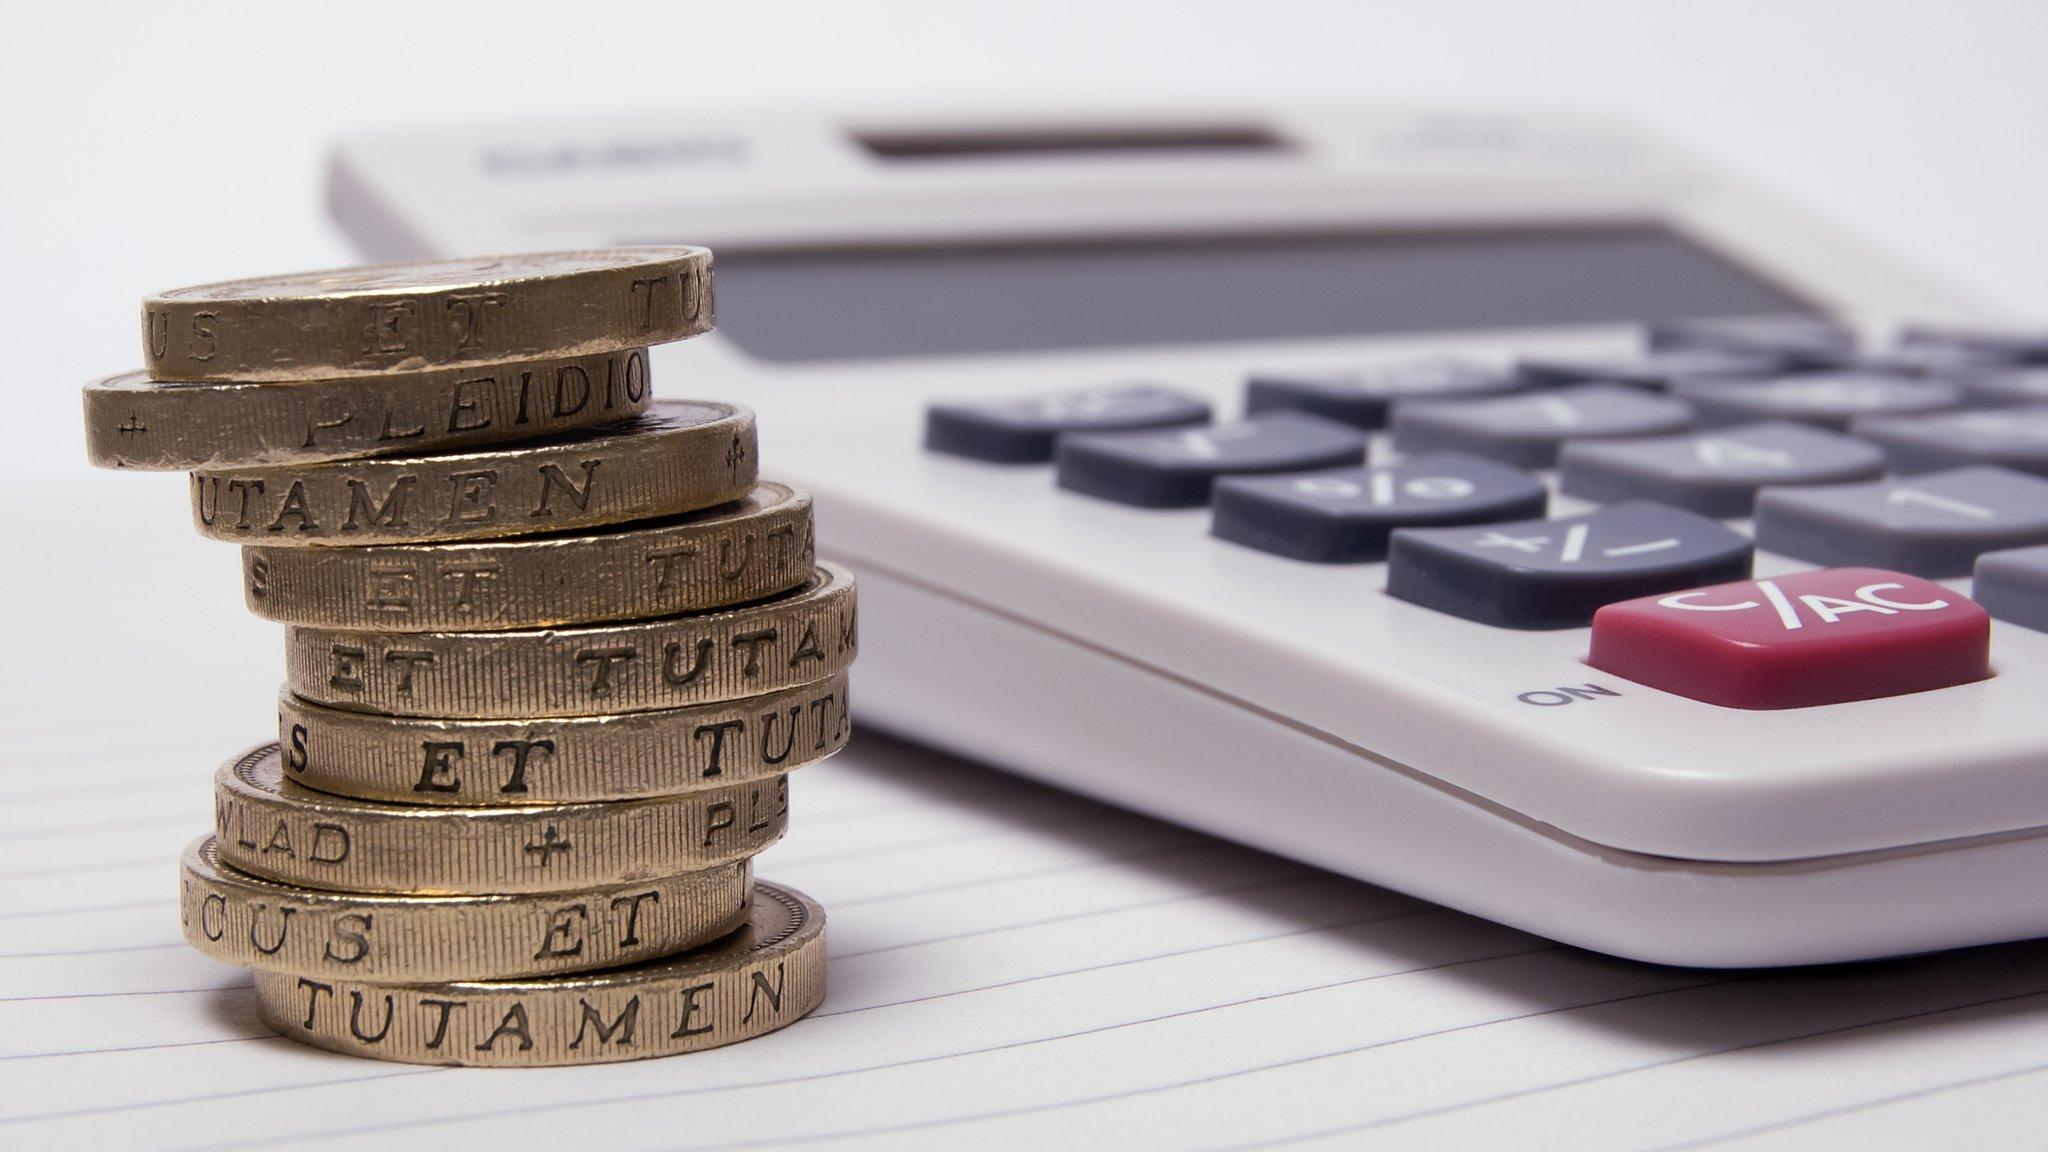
pixel 1678 1013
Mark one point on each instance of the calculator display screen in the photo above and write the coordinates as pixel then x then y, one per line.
pixel 866 303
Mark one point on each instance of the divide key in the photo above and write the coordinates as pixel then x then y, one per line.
pixel 1555 573
pixel 1022 430
pixel 1176 468
pixel 1797 641
pixel 1346 515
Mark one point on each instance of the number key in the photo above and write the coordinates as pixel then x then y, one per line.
pixel 2016 438
pixel 1661 370
pixel 1823 399
pixel 1361 398
pixel 1715 473
pixel 2006 387
pixel 1809 341
pixel 1176 468
pixel 1934 525
pixel 2013 585
pixel 1526 430
pixel 2018 345
pixel 1022 430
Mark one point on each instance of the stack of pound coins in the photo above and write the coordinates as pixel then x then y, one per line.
pixel 552 650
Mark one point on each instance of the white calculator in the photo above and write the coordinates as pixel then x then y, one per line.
pixel 1503 510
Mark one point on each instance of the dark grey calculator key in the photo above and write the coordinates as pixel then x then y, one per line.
pixel 2003 387
pixel 1934 525
pixel 2015 438
pixel 1557 573
pixel 1715 473
pixel 1808 341
pixel 1526 429
pixel 1021 430
pixel 1362 397
pixel 2013 585
pixel 2015 344
pixel 1345 516
pixel 1822 399
pixel 1941 361
pixel 1175 468
pixel 1661 370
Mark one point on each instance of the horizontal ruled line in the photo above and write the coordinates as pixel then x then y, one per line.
pixel 1134 961
pixel 607 1101
pixel 1149 1090
pixel 81 910
pixel 142 1047
pixel 92 951
pixel 85 869
pixel 212 1097
pixel 56 831
pixel 1868 1104
pixel 1620 1073
pixel 107 995
pixel 1069 918
pixel 1039 873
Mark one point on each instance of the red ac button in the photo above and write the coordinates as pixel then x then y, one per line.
pixel 1822 637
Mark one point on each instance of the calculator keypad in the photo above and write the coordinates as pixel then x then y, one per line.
pixel 1714 473
pixel 1811 638
pixel 1346 515
pixel 1825 399
pixel 1780 418
pixel 1934 525
pixel 1176 468
pixel 1527 430
pixel 1023 430
pixel 1556 573
pixel 1363 398
pixel 2015 438
pixel 1660 370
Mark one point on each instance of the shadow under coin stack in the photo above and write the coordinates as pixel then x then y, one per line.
pixel 552 650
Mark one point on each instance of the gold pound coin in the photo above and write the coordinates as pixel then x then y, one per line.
pixel 566 760
pixel 132 421
pixel 765 976
pixel 257 923
pixel 758 547
pixel 427 314
pixel 268 826
pixel 682 455
pixel 673 663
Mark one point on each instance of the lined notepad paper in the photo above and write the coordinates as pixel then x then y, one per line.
pixel 1011 967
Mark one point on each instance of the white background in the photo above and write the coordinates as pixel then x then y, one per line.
pixel 148 146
